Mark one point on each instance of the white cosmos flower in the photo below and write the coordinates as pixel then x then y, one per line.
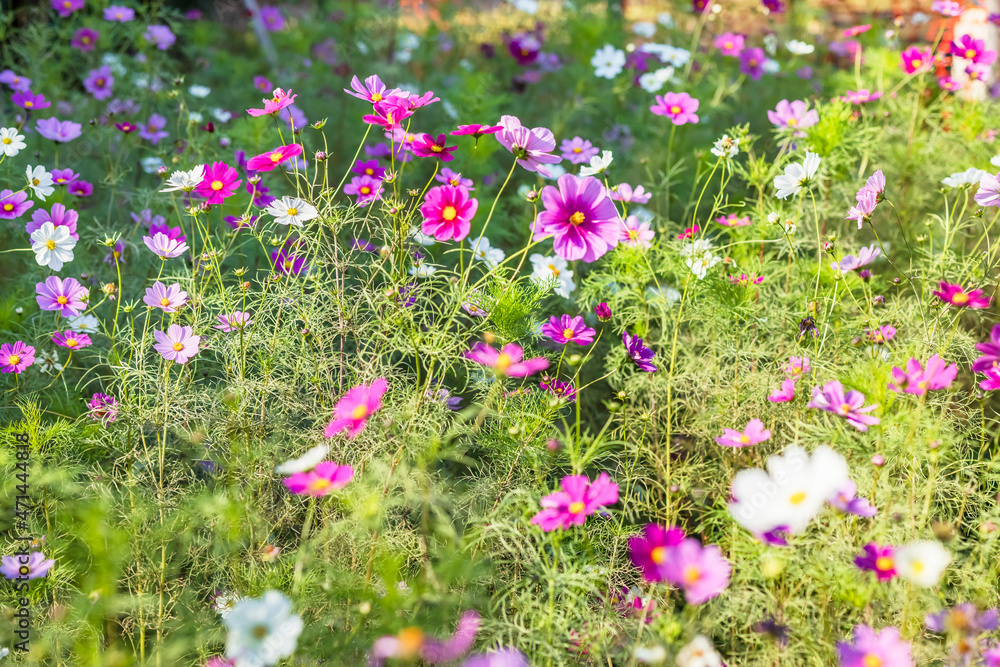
pixel 608 62
pixel 700 265
pixel 11 143
pixel 665 19
pixel 644 29
pixel 83 324
pixel 48 361
pixel 922 562
pixel 53 246
pixel 292 211
pixel 262 631
pixel 185 180
pixel 304 463
pixel 696 248
pixel 796 176
pixel 650 82
pixel 794 489
pixel 555 171
pixel 422 270
pixel 598 164
pixel 425 240
pixel 482 250
pixel 995 160
pixel 799 48
pixel 40 181
pixel 970 176
pixel 220 114
pixel 151 164
pixel 546 267
pixel 726 147
pixel 699 653
pixel 197 90
pixel 224 603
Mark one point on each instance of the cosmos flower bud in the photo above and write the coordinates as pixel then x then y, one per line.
pixel 162 170
pixel 878 460
pixel 320 156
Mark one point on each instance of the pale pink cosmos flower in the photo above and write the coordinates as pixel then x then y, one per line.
pixel 164 246
pixel 794 115
pixel 507 361
pixel 352 411
pixel 850 263
pixel 178 344
pixel 733 220
pixel 918 380
pixel 865 207
pixel 626 193
pixel 531 148
pixel 278 101
pixel 235 321
pixel 783 394
pixel 579 499
pixel 831 398
pixel 753 434
pixel 168 299
pixel 989 190
pixel 700 571
pixel 635 234
pixel 325 478
pixel 796 367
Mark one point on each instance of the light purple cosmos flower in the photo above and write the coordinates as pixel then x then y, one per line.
pixel 566 329
pixel 64 176
pixel 68 296
pixel 638 353
pixel 963 619
pixel 16 357
pixel 793 115
pixel 14 204
pixel 532 148
pixel 119 14
pixel 848 501
pixel 30 101
pixel 831 398
pixel 850 263
pixel 580 217
pixel 235 321
pixel 272 18
pixel 178 344
pixel 85 39
pixel 752 62
pixel 449 177
pixel 626 193
pixel 505 657
pixel 58 130
pixel 918 380
pixel 168 299
pixel 26 566
pixel 989 190
pixel 58 215
pixel 578 150
pixel 153 130
pixel 729 43
pixel 884 648
pixel 14 81
pixel 164 246
pixel 99 82
pixel 161 36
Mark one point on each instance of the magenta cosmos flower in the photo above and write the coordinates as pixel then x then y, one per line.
pixel 831 398
pixel 30 101
pixel 990 360
pixel 752 62
pixel 426 145
pixel 371 168
pixel 99 82
pixel 271 159
pixel 366 188
pixel 868 648
pixel 680 108
pixel 579 499
pixel 793 115
pixel 66 7
pixel 352 411
pixel 916 60
pixel 578 150
pixel 178 344
pixel 579 216
pixel 531 148
pixel 701 571
pixel 917 379
pixel 325 478
pixel 29 566
pixel 220 181
pixel 58 215
pixel 279 100
pixel 566 329
pixel 103 408
pixel 475 130
pixel 448 211
pixel 67 296
pixel 85 39
pixel 16 356
pixel 638 353
pixel 235 321
pixel 168 299
pixel 14 204
pixel 783 394
pixel 72 340
pixel 649 550
pixel 729 43
pixel 506 362
pixel 753 434
pixel 970 48
pixel 961 298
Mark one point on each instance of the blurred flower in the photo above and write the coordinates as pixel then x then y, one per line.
pixel 103 408
pixel 578 150
pixel 411 644
pixel 918 380
pixel 784 394
pixel 352 411
pixel 877 559
pixel 119 14
pixel 545 268
pixel 608 62
pixel 304 463
pixel 922 562
pixel 729 44
pixel 699 652
pixel 508 361
pixel 235 321
pixel 84 39
pixel 484 252
pixel 848 501
pixel 58 130
pixel 680 108
pixel 752 62
pixel 26 566
pixel 321 480
pixel 753 434
pixel 831 398
pixel 261 631
pixel 869 647
pixel 793 115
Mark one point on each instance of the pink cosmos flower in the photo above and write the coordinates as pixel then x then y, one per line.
pixel 793 115
pixel 352 411
pixel 62 131
pixel 961 298
pixel 372 91
pixel 733 220
pixel 31 566
pixel 578 150
pixel 531 148
pixel 103 408
pixel 449 177
pixel 752 62
pixel 949 8
pixel 919 380
pixel 877 559
pixel 796 367
pixel 783 394
pixel 235 321
pixel 649 550
pixel 977 72
pixel 860 96
pixel 635 234
pixel 58 215
pixel 178 344
pixel 325 478
pixel 426 145
pixel 753 434
pixel 744 280
pixel 881 335
pixel 411 645
pixel 219 182
pixel 856 30
pixel 389 113
pixel 580 217
pixel 476 130
pixel 989 190
pixel 271 159
pixel 14 204
pixel 372 169
pixel 688 233
pixel 579 499
pixel 72 340
pixel 366 188
pixel 168 299
pixel 506 362
pixel 68 296
pixel 970 48
pixel 831 398
pixel 448 211
pixel 884 648
pixel 164 246
pixel 950 84
pixel 916 60
pixel 701 571
pixel 680 108
pixel 278 101
pixel 566 329
pixel 626 193
pixel 850 263
pixel 729 44
pixel 992 380
pixel 16 357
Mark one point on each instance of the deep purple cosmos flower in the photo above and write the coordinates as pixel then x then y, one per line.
pixel 68 297
pixel 579 216
pixel 58 130
pixel 877 559
pixel 177 344
pixel 372 169
pixel 508 361
pixel 66 7
pixel 85 39
pixel 638 353
pixel 649 550
pixel 103 408
pixel 30 101
pixel 562 389
pixel 531 148
pixel 884 648
pixel 579 499
pixel 288 261
pixel 603 312
pixel 29 566
pixel 272 18
pixel 16 357
pixel 80 188
pixel 831 398
pixel 752 62
pixel 524 47
pixel 99 82
pixel 566 329
pixel 680 108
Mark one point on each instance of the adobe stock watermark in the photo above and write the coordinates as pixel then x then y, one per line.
pixel 23 539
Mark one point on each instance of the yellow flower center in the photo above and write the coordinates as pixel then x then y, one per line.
pixel 376 97
pixel 100 82
pixel 85 40
pixel 658 555
pixel 917 566
pixel 970 53
pixel 35 182
pixel 62 300
pixel 50 244
pixel 369 172
pixel 960 298
pixel 292 211
pixel 7 140
pixel 675 109
pixel 728 45
pixel 797 498
pixel 72 342
pixel 410 641
pixel 29 104
pixel 164 302
pixel 793 121
pixel 744 439
pixel 436 149
pixel 365 190
pixel 13 360
pixel 554 270
pixel 577 507
pixel 691 574
pixel 577 150
pixel 871 660
pixel 916 62
pixel 845 408
pixel 178 346
pixel 359 412
pixel 260 631
pixel 633 234
pixel 503 361
pixel 319 484
pixel 276 157
pixel 568 333
pixel 883 563
pixel 449 213
pixel 753 62
pixel 577 218
pixel 216 185
pixel 8 207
